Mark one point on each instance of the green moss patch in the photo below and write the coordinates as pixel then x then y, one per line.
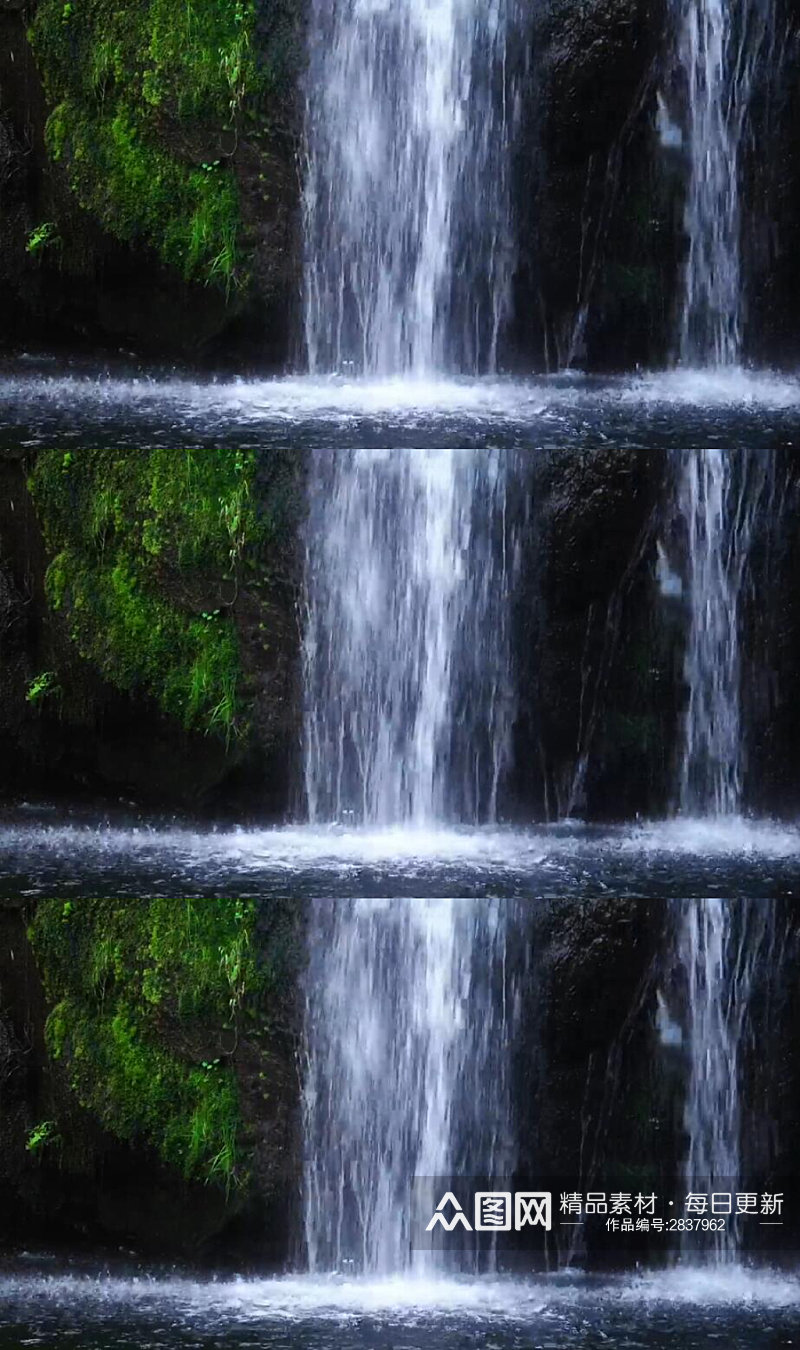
pixel 147 548
pixel 135 90
pixel 147 998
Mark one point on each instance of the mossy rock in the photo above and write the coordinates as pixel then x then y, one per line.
pixel 154 1007
pixel 125 85
pixel 150 550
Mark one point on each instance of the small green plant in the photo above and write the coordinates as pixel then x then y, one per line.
pixel 41 237
pixel 41 1135
pixel 41 686
pixel 236 967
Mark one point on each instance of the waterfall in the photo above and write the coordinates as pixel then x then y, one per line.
pixel 720 496
pixel 722 946
pixel 712 1106
pixel 407 664
pixel 404 1078
pixel 409 563
pixel 719 47
pixel 410 113
pixel 712 761
pixel 408 716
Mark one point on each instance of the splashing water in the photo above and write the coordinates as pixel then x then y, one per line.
pixel 408 699
pixel 410 114
pixel 719 49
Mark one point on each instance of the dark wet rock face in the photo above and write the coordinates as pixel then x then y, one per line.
pixel 608 1105
pixel 771 198
pixel 598 202
pixel 598 653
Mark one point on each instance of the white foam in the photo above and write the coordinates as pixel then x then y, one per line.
pixel 715 387
pixel 297 398
pixel 290 1298
pixel 290 398
pixel 714 1286
pixel 298 848
pixel 714 837
pixel 404 1297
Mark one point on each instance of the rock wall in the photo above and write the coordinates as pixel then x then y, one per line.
pixel 599 1099
pixel 771 198
pixel 598 655
pixel 598 203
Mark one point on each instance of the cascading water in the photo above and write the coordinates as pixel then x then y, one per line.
pixel 408 698
pixel 719 48
pixel 408 719
pixel 407 713
pixel 721 948
pixel 403 1078
pixel 712 1103
pixel 409 118
pixel 408 716
pixel 720 496
pixel 711 778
